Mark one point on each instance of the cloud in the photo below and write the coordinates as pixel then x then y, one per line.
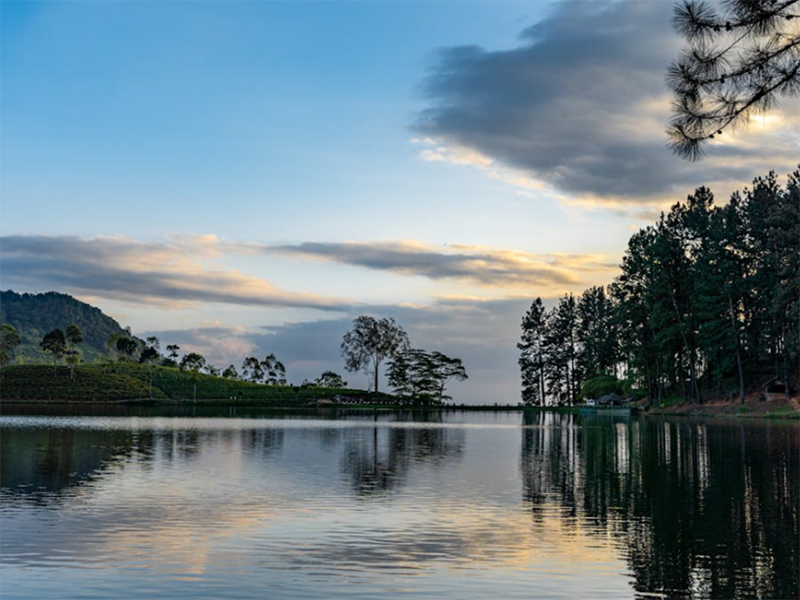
pixel 221 345
pixel 307 348
pixel 580 106
pixel 166 274
pixel 475 264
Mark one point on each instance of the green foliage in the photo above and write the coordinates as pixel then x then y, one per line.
pixel 274 371
pixel 193 362
pixel 419 376
pixel 89 383
pixel 33 315
pixel 129 382
pixel 550 359
pixel 329 379
pixel 601 385
pixel 370 342
pixel 127 347
pixel 740 57
pixel 707 300
pixel 55 344
pixel 531 360
pixel 252 370
pixel 9 340
pixel 149 356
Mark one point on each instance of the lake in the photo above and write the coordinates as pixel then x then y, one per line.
pixel 112 502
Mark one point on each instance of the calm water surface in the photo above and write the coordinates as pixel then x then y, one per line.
pixel 248 504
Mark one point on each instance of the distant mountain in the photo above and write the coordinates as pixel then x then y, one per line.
pixel 34 315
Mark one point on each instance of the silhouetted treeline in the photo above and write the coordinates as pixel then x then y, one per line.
pixel 707 303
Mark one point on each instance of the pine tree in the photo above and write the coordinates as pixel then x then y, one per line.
pixel 531 360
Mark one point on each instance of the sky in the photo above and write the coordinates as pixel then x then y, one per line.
pixel 242 178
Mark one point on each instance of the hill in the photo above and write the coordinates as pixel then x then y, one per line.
pixel 34 315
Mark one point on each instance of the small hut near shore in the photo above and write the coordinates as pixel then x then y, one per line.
pixel 774 389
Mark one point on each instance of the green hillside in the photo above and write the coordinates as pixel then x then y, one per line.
pixel 127 381
pixel 34 315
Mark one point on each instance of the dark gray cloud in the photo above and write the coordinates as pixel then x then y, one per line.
pixel 139 272
pixel 482 333
pixel 501 268
pixel 581 104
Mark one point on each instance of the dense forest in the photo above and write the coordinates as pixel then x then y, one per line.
pixel 707 305
pixel 33 315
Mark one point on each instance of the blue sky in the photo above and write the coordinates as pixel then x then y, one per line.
pixel 229 174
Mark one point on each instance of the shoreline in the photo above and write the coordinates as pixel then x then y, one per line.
pixel 766 410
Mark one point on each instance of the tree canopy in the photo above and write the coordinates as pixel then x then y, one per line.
pixel 193 362
pixel 421 376
pixel 370 342
pixel 329 379
pixel 737 60
pixel 127 347
pixel 274 371
pixel 55 344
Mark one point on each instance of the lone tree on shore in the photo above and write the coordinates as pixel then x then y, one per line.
pixel 370 342
pixel 55 344
pixel 74 336
pixel 9 339
pixel 737 61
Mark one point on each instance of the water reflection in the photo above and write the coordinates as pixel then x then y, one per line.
pixel 321 506
pixel 38 465
pixel 698 508
pixel 378 459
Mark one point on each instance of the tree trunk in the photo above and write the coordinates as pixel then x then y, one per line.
pixel 659 383
pixel 736 345
pixel 786 361
pixel 692 374
pixel 542 400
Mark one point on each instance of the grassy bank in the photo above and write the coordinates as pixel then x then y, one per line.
pixel 753 407
pixel 139 383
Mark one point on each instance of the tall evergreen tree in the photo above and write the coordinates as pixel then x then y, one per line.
pixel 597 334
pixel 531 359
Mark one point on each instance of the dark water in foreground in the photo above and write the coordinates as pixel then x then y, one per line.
pixel 456 505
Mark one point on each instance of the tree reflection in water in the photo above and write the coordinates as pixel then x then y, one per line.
pixel 377 459
pixel 699 508
pixel 45 465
